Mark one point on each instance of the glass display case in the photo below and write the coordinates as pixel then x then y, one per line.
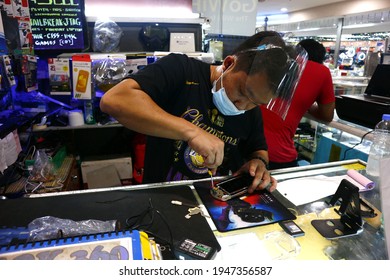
pixel 337 140
pixel 349 84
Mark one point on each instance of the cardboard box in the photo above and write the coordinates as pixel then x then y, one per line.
pixel 107 173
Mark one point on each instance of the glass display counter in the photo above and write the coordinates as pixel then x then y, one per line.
pixel 369 244
pixel 349 84
pixel 268 241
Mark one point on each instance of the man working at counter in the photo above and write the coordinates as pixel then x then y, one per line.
pixel 314 95
pixel 201 117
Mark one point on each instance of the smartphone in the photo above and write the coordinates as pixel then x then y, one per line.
pixel 291 228
pixel 232 187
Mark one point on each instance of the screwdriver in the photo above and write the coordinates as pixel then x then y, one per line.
pixel 212 179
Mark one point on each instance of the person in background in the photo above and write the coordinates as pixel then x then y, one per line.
pixel 200 117
pixel 314 95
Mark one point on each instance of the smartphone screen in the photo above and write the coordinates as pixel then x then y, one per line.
pixel 235 184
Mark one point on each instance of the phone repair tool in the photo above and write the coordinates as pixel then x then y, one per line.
pixel 212 179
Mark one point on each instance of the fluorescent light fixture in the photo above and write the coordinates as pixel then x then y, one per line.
pixel 162 12
pixel 284 10
pixel 309 29
pixel 358 25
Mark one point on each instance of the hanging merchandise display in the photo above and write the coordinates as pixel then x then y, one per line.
pixel 59 76
pixel 109 71
pixel 82 76
pixel 106 36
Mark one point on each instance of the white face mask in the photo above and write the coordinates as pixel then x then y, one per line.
pixel 222 101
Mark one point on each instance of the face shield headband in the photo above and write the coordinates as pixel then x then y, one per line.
pixel 284 73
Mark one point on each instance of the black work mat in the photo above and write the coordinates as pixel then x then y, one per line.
pixel 257 209
pixel 116 205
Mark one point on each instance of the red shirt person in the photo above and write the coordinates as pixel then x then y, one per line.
pixel 314 95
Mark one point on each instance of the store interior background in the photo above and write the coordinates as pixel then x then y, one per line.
pixel 344 27
pixel 340 25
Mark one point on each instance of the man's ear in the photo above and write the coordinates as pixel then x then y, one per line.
pixel 228 62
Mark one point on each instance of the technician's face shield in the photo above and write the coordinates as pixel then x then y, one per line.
pixel 280 104
pixel 283 73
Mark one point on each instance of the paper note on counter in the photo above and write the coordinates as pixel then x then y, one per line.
pixel 308 189
pixel 237 245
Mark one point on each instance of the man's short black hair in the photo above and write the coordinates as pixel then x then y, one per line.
pixel 260 38
pixel 273 61
pixel 315 50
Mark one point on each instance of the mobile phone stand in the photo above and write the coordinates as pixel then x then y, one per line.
pixel 350 222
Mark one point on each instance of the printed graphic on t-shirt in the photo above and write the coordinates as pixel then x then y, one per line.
pixel 194 161
pixel 188 162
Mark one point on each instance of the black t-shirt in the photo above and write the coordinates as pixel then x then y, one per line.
pixel 181 86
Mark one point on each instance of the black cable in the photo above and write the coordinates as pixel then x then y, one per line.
pixel 361 141
pixel 168 227
pixel 138 220
pixel 141 225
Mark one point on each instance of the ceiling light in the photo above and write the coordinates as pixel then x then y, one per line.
pixel 284 10
pixel 359 25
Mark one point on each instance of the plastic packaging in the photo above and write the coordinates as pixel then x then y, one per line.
pixel 281 246
pixel 43 169
pixel 380 147
pixel 49 227
pixel 109 72
pixel 106 36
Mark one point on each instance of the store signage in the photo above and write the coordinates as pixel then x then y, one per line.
pixel 233 17
pixel 57 24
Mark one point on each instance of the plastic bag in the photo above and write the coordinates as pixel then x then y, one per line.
pixel 49 227
pixel 106 36
pixel 109 72
pixel 43 169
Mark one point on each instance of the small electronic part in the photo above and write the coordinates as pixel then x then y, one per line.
pixel 188 249
pixel 292 228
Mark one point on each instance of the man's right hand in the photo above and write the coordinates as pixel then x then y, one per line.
pixel 210 147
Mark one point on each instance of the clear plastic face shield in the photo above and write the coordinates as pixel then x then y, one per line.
pixel 283 73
